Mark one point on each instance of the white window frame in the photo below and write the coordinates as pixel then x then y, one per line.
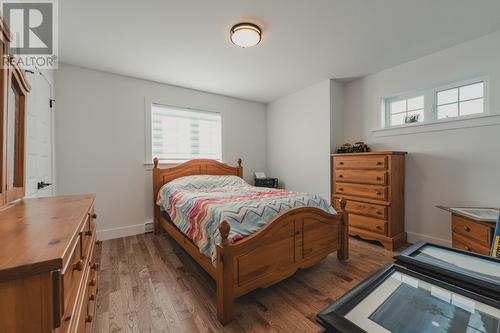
pixel 430 103
pixel 148 140
pixel 387 108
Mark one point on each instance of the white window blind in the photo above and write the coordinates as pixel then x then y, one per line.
pixel 182 134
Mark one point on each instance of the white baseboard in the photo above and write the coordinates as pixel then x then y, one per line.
pixel 149 226
pixel 129 230
pixel 414 237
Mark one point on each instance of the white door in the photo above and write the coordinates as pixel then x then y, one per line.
pixel 39 143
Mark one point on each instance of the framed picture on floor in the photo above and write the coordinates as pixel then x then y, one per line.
pixel 475 272
pixel 399 300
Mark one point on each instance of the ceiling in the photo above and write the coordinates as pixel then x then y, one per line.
pixel 186 42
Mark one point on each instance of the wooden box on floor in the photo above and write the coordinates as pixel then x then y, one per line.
pixel 373 185
pixel 48 279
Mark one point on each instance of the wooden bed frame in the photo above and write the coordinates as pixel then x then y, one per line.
pixel 297 238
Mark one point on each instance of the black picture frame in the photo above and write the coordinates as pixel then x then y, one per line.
pixel 333 318
pixel 459 277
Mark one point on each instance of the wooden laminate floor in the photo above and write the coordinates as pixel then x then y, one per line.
pixel 149 284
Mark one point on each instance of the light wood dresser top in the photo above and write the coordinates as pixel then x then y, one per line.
pixel 35 234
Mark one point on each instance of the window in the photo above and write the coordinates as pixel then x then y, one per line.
pixel 179 134
pixel 461 99
pixel 407 110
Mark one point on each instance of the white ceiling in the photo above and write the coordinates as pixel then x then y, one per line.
pixel 186 42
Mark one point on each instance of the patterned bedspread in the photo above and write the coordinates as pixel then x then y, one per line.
pixel 197 204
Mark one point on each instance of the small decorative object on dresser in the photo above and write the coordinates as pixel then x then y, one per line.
pixel 373 185
pixel 48 278
pixel 267 182
pixel 358 147
pixel 472 229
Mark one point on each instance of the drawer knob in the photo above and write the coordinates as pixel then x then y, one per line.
pixel 379 163
pixel 91 297
pixel 341 189
pixel 93 215
pixel 95 266
pixel 466 228
pixel 78 266
pixel 379 212
pixel 92 282
pixel 88 233
pixel 379 178
pixel 88 319
pixel 341 176
pixel 378 193
pixel 378 227
pixel 341 163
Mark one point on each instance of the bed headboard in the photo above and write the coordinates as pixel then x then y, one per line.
pixel 162 176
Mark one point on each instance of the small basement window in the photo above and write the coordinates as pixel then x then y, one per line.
pixel 457 100
pixel 406 110
pixel 460 101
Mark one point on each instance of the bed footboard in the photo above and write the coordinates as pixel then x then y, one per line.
pixel 295 239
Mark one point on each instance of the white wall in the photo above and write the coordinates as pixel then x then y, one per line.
pixel 337 106
pixel 100 140
pixel 448 167
pixel 298 139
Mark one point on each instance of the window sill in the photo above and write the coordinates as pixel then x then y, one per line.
pixel 439 125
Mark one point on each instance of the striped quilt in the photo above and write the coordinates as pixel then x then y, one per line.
pixel 197 204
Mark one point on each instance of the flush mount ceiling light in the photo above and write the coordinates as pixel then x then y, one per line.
pixel 245 34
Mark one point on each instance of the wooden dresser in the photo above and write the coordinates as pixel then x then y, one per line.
pixel 373 185
pixel 48 278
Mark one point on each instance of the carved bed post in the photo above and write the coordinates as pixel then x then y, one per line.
pixel 240 168
pixel 156 188
pixel 343 253
pixel 225 295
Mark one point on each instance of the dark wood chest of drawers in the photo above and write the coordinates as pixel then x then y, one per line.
pixel 373 185
pixel 48 265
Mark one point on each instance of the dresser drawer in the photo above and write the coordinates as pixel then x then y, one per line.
pixel 86 236
pixel 374 177
pixel 82 319
pixel 464 243
pixel 72 275
pixel 365 191
pixel 361 162
pixel 92 291
pixel 368 223
pixel 363 208
pixel 478 233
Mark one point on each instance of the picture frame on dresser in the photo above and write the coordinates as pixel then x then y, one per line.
pixel 477 272
pixel 384 302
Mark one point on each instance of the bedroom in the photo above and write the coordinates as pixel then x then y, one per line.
pixel 419 78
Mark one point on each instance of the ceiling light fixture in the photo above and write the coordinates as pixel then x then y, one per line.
pixel 245 34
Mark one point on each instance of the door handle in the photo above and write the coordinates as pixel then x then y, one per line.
pixel 42 184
